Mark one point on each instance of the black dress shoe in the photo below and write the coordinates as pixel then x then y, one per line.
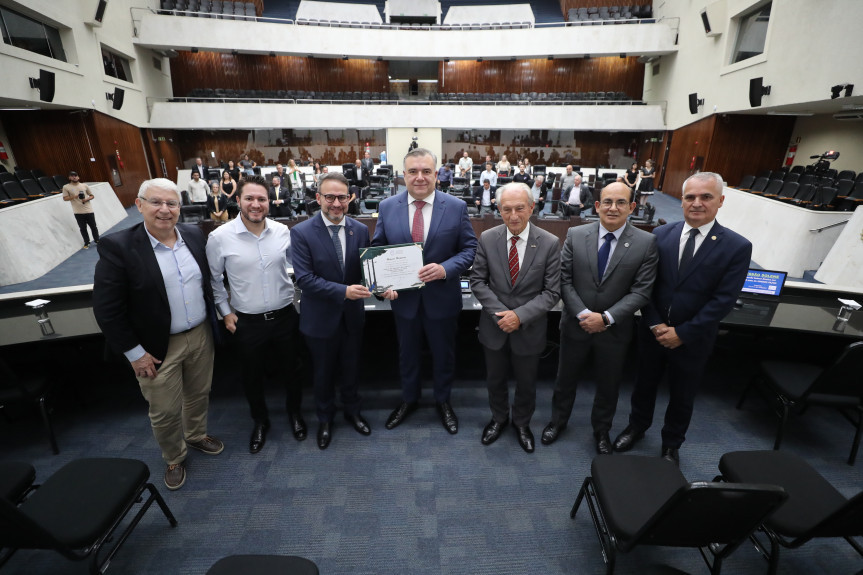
pixel 359 423
pixel 447 417
pixel 670 454
pixel 259 436
pixel 603 443
pixel 550 433
pixel 400 413
pixel 627 439
pixel 325 434
pixel 525 437
pixel 298 425
pixel 492 431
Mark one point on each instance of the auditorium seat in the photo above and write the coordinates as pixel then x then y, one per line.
pixel 823 198
pixel 779 189
pixel 7 177
pixel 759 185
pixel 846 201
pixel 48 185
pixel 746 182
pixel 803 197
pixel 846 175
pixel 16 192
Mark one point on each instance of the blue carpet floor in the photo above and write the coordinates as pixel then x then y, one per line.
pixel 411 500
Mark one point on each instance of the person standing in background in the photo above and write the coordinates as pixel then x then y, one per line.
pixel 80 195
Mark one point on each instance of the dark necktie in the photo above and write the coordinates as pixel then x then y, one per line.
pixel 338 245
pixel 417 231
pixel 602 256
pixel 688 250
pixel 513 261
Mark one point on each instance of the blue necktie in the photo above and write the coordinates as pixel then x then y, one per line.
pixel 688 250
pixel 338 245
pixel 602 256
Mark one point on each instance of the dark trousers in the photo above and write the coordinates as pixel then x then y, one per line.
pixel 335 364
pixel 685 369
pixel 608 349
pixel 440 334
pixel 85 220
pixel 498 363
pixel 276 342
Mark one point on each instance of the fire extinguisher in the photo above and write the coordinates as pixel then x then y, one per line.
pixel 3 154
pixel 119 159
pixel 789 158
pixel 692 163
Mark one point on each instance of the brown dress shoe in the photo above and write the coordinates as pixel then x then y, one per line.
pixel 175 476
pixel 209 445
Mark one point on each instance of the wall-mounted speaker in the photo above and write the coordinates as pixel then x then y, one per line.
pixel 45 84
pixel 100 11
pixel 757 89
pixel 119 93
pixel 705 20
pixel 694 102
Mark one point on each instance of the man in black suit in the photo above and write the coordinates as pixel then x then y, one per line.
pixel 280 199
pixel 368 165
pixel 200 168
pixel 702 267
pixel 153 301
pixel 607 273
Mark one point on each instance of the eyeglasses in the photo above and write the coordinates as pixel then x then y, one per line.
pixel 618 203
pixel 172 204
pixel 330 198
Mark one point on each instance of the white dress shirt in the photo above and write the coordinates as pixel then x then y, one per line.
pixel 703 232
pixel 520 244
pixel 330 224
pixel 256 267
pixel 602 231
pixel 427 213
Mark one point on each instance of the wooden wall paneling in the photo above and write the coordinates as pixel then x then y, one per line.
pixel 162 146
pixel 746 144
pixel 120 147
pixel 689 144
pixel 259 72
pixel 611 74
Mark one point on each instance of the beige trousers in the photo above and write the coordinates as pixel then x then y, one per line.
pixel 179 395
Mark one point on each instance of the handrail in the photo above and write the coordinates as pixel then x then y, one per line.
pixel 819 230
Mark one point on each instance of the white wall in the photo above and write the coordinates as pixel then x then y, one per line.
pixel 821 133
pixel 163 31
pixel 398 140
pixel 81 81
pixel 454 117
pixel 811 46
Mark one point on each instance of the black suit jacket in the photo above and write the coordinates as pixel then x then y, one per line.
pixel 129 298
pixel 203 170
pixel 368 167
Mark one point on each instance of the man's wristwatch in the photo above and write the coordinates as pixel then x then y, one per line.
pixel 605 320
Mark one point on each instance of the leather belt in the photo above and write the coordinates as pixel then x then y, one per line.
pixel 267 315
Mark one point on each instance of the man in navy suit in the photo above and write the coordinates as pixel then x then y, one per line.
pixel 702 267
pixel 326 258
pixel 440 221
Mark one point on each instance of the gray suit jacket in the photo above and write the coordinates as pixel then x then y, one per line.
pixel 536 290
pixel 626 284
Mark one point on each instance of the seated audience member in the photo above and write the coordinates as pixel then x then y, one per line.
pixel 484 198
pixel 538 192
pixel 247 165
pixel 280 199
pixel 198 189
pixel 578 198
pixel 217 203
pixel 521 177
pixel 503 166
pixel 490 175
pixel 444 178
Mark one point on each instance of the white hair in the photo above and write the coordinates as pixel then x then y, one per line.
pixel 161 183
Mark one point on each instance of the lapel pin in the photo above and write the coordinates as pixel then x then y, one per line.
pixel 352 232
pixel 713 238
pixel 533 245
pixel 626 245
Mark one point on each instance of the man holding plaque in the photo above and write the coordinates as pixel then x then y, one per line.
pixel 441 223
pixel 326 262
pixel 516 278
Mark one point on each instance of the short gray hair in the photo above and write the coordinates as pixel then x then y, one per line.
pixel 711 177
pixel 161 183
pixel 515 187
pixel 418 153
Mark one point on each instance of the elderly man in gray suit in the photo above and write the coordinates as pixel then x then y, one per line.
pixel 607 274
pixel 516 278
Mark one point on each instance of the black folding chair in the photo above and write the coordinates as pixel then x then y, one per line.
pixel 636 500
pixel 814 509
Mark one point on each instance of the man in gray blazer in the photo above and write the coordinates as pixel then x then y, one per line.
pixel 516 278
pixel 607 274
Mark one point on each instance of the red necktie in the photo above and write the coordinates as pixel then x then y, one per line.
pixel 417 228
pixel 513 261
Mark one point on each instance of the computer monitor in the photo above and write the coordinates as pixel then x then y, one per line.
pixel 764 283
pixel 465 285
